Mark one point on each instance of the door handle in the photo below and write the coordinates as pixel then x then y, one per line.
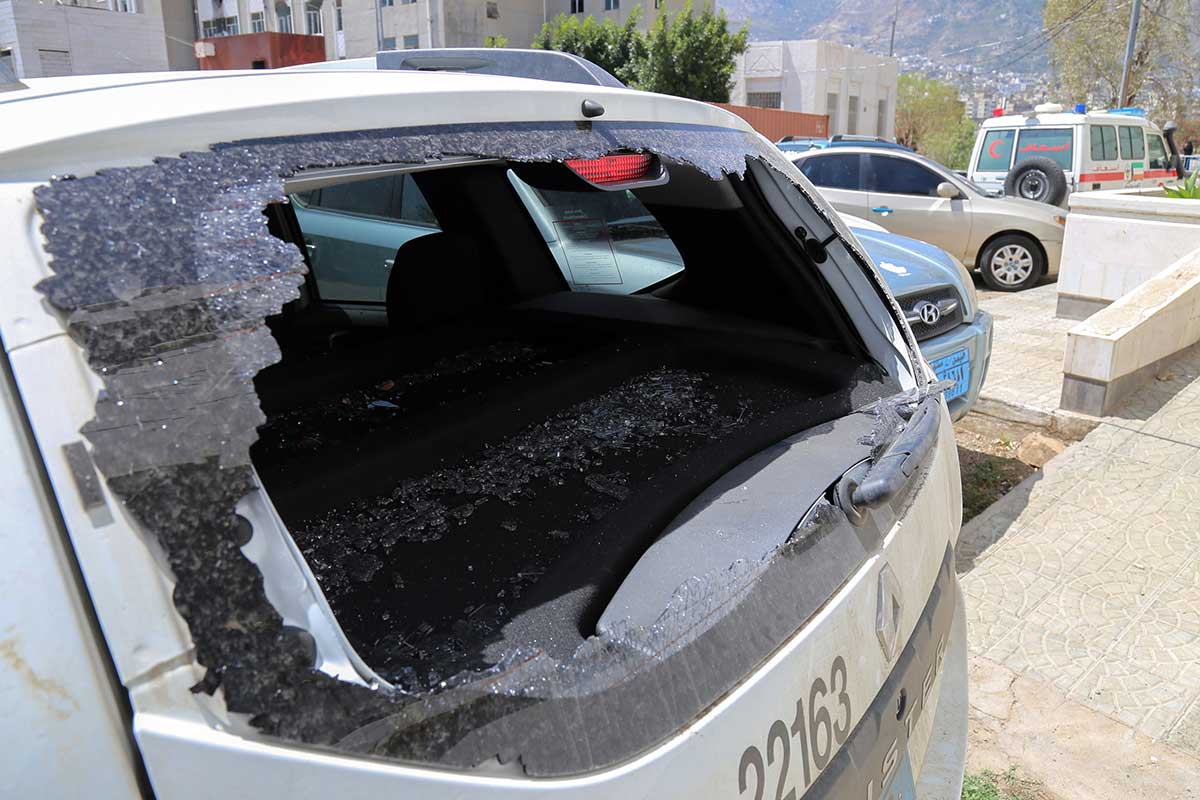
pixel 388 263
pixel 882 210
pixel 310 247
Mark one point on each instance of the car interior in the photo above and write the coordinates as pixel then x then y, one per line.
pixel 485 470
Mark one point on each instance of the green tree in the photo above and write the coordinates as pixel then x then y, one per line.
pixel 1088 50
pixel 616 48
pixel 928 112
pixel 951 145
pixel 691 55
pixel 495 41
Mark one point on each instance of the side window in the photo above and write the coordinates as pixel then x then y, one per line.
pixel 1157 152
pixel 901 176
pixel 413 208
pixel 1104 142
pixel 378 197
pixel 353 249
pixel 1132 144
pixel 604 242
pixel 1052 143
pixel 833 171
pixel 996 153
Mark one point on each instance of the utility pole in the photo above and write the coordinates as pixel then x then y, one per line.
pixel 892 43
pixel 1133 26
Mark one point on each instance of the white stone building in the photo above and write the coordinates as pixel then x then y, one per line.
pixel 855 88
pixel 45 39
pixel 356 28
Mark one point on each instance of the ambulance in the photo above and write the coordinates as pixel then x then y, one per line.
pixel 1045 154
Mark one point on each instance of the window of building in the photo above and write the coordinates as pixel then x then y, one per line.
pixel 258 21
pixel 763 99
pixel 412 41
pixel 284 20
pixel 834 171
pixel 221 26
pixel 386 3
pixel 1133 145
pixel 389 43
pixel 127 6
pixel 7 59
pixel 492 10
pixel 612 5
pixel 338 22
pixel 891 175
pixel 312 20
pixel 881 118
pixel 55 63
pixel 831 109
pixel 852 115
pixel 576 6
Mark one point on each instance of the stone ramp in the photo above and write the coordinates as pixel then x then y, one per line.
pixel 1086 578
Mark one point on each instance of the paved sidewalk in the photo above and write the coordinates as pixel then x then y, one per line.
pixel 1086 578
pixel 1024 380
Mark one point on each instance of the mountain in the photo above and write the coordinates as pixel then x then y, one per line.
pixel 987 33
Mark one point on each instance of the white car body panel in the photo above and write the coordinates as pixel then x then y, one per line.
pixel 190 745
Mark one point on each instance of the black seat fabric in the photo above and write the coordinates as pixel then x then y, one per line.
pixel 435 278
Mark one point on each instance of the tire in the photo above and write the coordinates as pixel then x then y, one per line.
pixel 1037 178
pixel 1011 262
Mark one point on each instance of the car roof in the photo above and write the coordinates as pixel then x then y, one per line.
pixel 79 124
pixel 1067 118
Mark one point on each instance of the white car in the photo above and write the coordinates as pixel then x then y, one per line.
pixel 695 540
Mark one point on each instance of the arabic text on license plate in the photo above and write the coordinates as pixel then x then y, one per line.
pixel 954 367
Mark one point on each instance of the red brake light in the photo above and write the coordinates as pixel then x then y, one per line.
pixel 612 169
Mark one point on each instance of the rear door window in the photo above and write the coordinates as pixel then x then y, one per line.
pixel 352 231
pixel 1157 152
pixel 900 176
pixel 996 153
pixel 841 171
pixel 603 241
pixel 1132 144
pixel 1103 142
pixel 1052 143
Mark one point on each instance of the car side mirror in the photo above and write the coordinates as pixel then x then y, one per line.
pixel 948 190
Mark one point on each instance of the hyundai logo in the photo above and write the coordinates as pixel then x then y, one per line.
pixel 928 312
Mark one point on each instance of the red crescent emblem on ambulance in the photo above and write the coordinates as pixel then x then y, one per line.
pixel 992 148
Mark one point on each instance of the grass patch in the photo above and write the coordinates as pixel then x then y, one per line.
pixel 1007 785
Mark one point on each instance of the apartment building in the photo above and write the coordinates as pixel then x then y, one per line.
pixel 855 88
pixel 85 37
pixel 356 28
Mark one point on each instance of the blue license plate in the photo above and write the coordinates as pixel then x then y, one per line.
pixel 902 787
pixel 954 367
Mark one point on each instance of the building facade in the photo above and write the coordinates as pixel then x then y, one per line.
pixel 855 88
pixel 357 28
pixel 40 39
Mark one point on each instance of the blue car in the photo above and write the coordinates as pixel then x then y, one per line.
pixel 802 144
pixel 938 298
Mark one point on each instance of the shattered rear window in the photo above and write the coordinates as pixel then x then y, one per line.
pixel 174 282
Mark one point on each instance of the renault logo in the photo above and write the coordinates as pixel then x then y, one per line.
pixel 928 312
pixel 887 612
